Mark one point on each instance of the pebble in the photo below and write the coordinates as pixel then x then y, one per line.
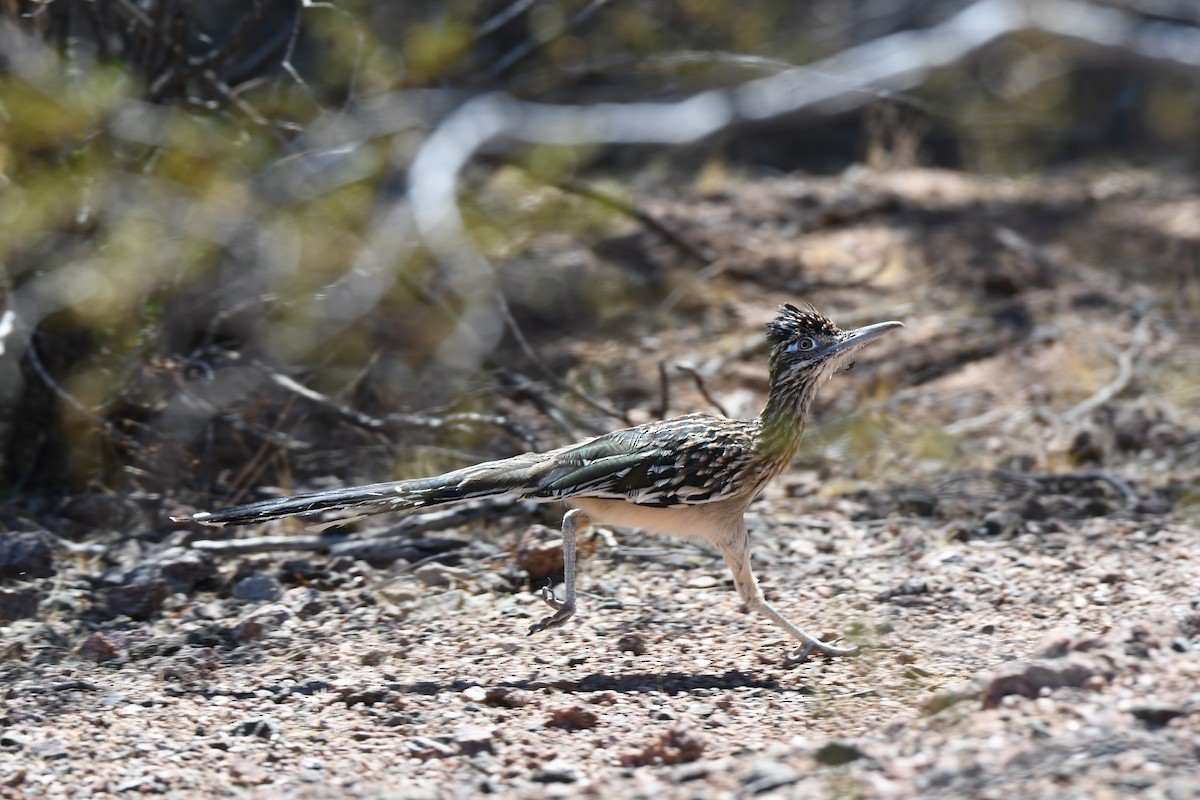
pixel 135 600
pixel 836 753
pixel 632 643
pixel 472 738
pixel 97 648
pixel 572 718
pixel 435 574
pixel 18 604
pixel 765 775
pixel 540 553
pixel 557 771
pixel 26 555
pixel 258 588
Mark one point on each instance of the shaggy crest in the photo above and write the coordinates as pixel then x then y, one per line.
pixel 792 323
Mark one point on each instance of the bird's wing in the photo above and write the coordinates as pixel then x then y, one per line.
pixel 693 459
pixel 682 461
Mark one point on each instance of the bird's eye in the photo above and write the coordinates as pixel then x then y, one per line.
pixel 801 345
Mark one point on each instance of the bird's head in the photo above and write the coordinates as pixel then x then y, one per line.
pixel 806 347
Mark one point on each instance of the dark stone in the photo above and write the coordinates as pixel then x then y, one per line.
pixel 259 588
pixel 910 588
pixel 97 648
pixel 1001 523
pixel 262 727
pixel 18 604
pixel 573 718
pixel 26 555
pixel 557 772
pixel 180 569
pixel 1028 680
pixel 835 754
pixel 136 600
pixel 632 643
pixel 917 501
pixel 767 776
pixel 1086 448
pixel 1157 716
pixel 96 510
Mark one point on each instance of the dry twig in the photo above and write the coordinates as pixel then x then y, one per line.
pixel 1125 367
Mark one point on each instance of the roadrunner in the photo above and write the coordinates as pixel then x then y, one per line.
pixel 691 476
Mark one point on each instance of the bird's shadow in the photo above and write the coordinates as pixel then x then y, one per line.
pixel 627 683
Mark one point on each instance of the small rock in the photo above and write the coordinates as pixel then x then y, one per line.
pixel 557 771
pixel 910 588
pixel 262 619
pixel 507 697
pixel 475 694
pixel 11 741
pixel 435 574
pixel 244 772
pixel 540 553
pixel 18 604
pixel 766 775
pixel 248 631
pixel 373 658
pixel 1060 642
pixel 676 746
pixel 572 718
pixel 1086 448
pixel 1002 523
pixel 474 738
pixel 632 643
pixel 135 600
pixel 180 568
pixel 258 588
pixel 262 727
pixel 1028 680
pixel 423 747
pixel 304 601
pixel 400 593
pixel 95 510
pixel 368 695
pixel 12 651
pixel 835 754
pixel 1157 716
pixel 97 648
pixel 26 555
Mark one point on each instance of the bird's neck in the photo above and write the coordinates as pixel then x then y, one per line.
pixel 781 423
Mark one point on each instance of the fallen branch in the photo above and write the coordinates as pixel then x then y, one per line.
pixel 1125 364
pixel 697 253
pixel 399 534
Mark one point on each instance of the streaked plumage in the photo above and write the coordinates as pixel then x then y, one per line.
pixel 690 476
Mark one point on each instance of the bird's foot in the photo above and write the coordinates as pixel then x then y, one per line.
pixel 802 653
pixel 549 599
pixel 563 611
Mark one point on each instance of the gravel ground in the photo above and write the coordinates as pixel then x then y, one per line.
pixel 1014 546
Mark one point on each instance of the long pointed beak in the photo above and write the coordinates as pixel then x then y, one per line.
pixel 854 339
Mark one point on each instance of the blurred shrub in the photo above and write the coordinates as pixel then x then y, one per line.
pixel 197 196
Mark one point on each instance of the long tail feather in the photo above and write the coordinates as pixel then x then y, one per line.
pixel 513 476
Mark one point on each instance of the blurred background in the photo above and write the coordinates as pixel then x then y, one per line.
pixel 213 285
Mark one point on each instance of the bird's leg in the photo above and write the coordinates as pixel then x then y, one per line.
pixel 573 520
pixel 737 556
